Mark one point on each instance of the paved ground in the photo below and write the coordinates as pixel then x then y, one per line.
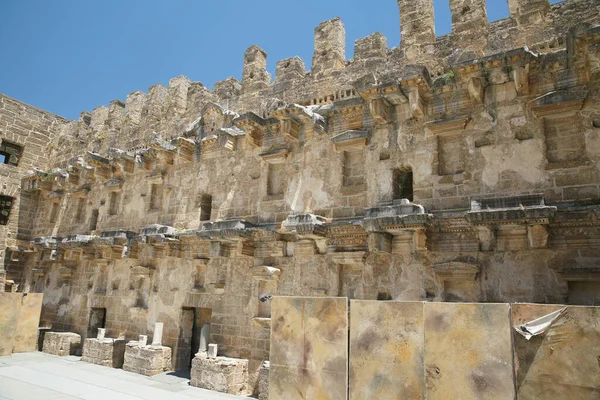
pixel 29 376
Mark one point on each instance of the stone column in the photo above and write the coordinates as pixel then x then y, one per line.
pixel 416 26
pixel 158 333
pixel 204 338
pixel 330 47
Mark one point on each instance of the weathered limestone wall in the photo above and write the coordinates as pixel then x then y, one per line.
pixel 31 130
pixel 187 205
pixel 19 320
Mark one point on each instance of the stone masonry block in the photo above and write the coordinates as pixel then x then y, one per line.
pixel 62 343
pixel 148 360
pixel 221 374
pixel 106 352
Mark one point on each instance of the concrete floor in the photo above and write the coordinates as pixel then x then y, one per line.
pixel 29 376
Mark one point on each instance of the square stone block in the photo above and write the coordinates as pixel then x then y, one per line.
pixel 106 352
pixel 563 362
pixel 386 350
pixel 148 360
pixel 221 374
pixel 62 343
pixel 309 348
pixel 468 351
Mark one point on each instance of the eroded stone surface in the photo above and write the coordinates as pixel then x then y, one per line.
pixel 106 352
pixel 62 343
pixel 147 360
pixel 309 348
pixel 221 374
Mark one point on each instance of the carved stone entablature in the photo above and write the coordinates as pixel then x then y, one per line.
pixel 456 271
pixel 186 149
pixel 416 83
pixel 532 215
pixel 56 195
pixel 265 273
pixel 114 184
pixel 294 116
pixel 100 164
pixel 496 69
pixel 228 229
pixel 455 125
pixel 254 126
pixel 116 238
pixel 567 101
pixel 580 273
pixel 122 161
pixel 74 241
pixel 355 258
pixel 379 103
pixel 37 180
pixel 157 233
pixel 351 140
pixel 305 226
pixel 46 242
pixel 401 216
pixel 347 237
pixel 142 271
pixel 274 156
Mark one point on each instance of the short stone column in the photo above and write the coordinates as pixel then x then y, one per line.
pixel 104 351
pixel 147 360
pixel 62 343
pixel 221 374
pixel 263 381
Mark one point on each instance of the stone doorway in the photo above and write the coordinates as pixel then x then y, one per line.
pixel 188 342
pixel 97 320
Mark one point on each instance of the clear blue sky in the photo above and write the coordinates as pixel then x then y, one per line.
pixel 66 56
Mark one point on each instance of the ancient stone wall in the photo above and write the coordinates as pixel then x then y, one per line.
pixel 25 136
pixel 456 168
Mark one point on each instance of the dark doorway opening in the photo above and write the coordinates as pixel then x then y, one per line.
pixel 192 321
pixel 97 320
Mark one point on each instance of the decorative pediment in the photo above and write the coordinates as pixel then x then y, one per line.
pixel 351 140
pixel 559 102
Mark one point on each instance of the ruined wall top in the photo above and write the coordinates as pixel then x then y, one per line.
pixel 166 112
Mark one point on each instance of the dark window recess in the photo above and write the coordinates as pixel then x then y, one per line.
pixel 94 220
pixel 403 184
pixel 205 207
pixel 5 207
pixel 10 153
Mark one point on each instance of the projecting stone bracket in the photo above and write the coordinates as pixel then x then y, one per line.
pixel 351 140
pixel 566 101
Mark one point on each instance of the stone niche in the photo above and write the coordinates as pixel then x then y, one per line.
pixel 62 343
pixel 221 374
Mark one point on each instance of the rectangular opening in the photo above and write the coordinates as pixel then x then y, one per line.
pixel 403 183
pixel 114 203
pixel 205 207
pixel 97 320
pixel 354 168
pixel 94 220
pixel 6 203
pixel 275 179
pixel 10 153
pixel 156 196
pixel 80 213
pixel 190 330
pixel 54 208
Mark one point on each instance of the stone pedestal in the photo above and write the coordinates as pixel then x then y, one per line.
pixel 62 343
pixel 147 360
pixel 263 381
pixel 221 374
pixel 106 352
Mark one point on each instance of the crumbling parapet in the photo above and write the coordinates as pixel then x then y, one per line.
pixel 62 343
pixel 255 75
pixel 417 26
pixel 263 381
pixel 330 47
